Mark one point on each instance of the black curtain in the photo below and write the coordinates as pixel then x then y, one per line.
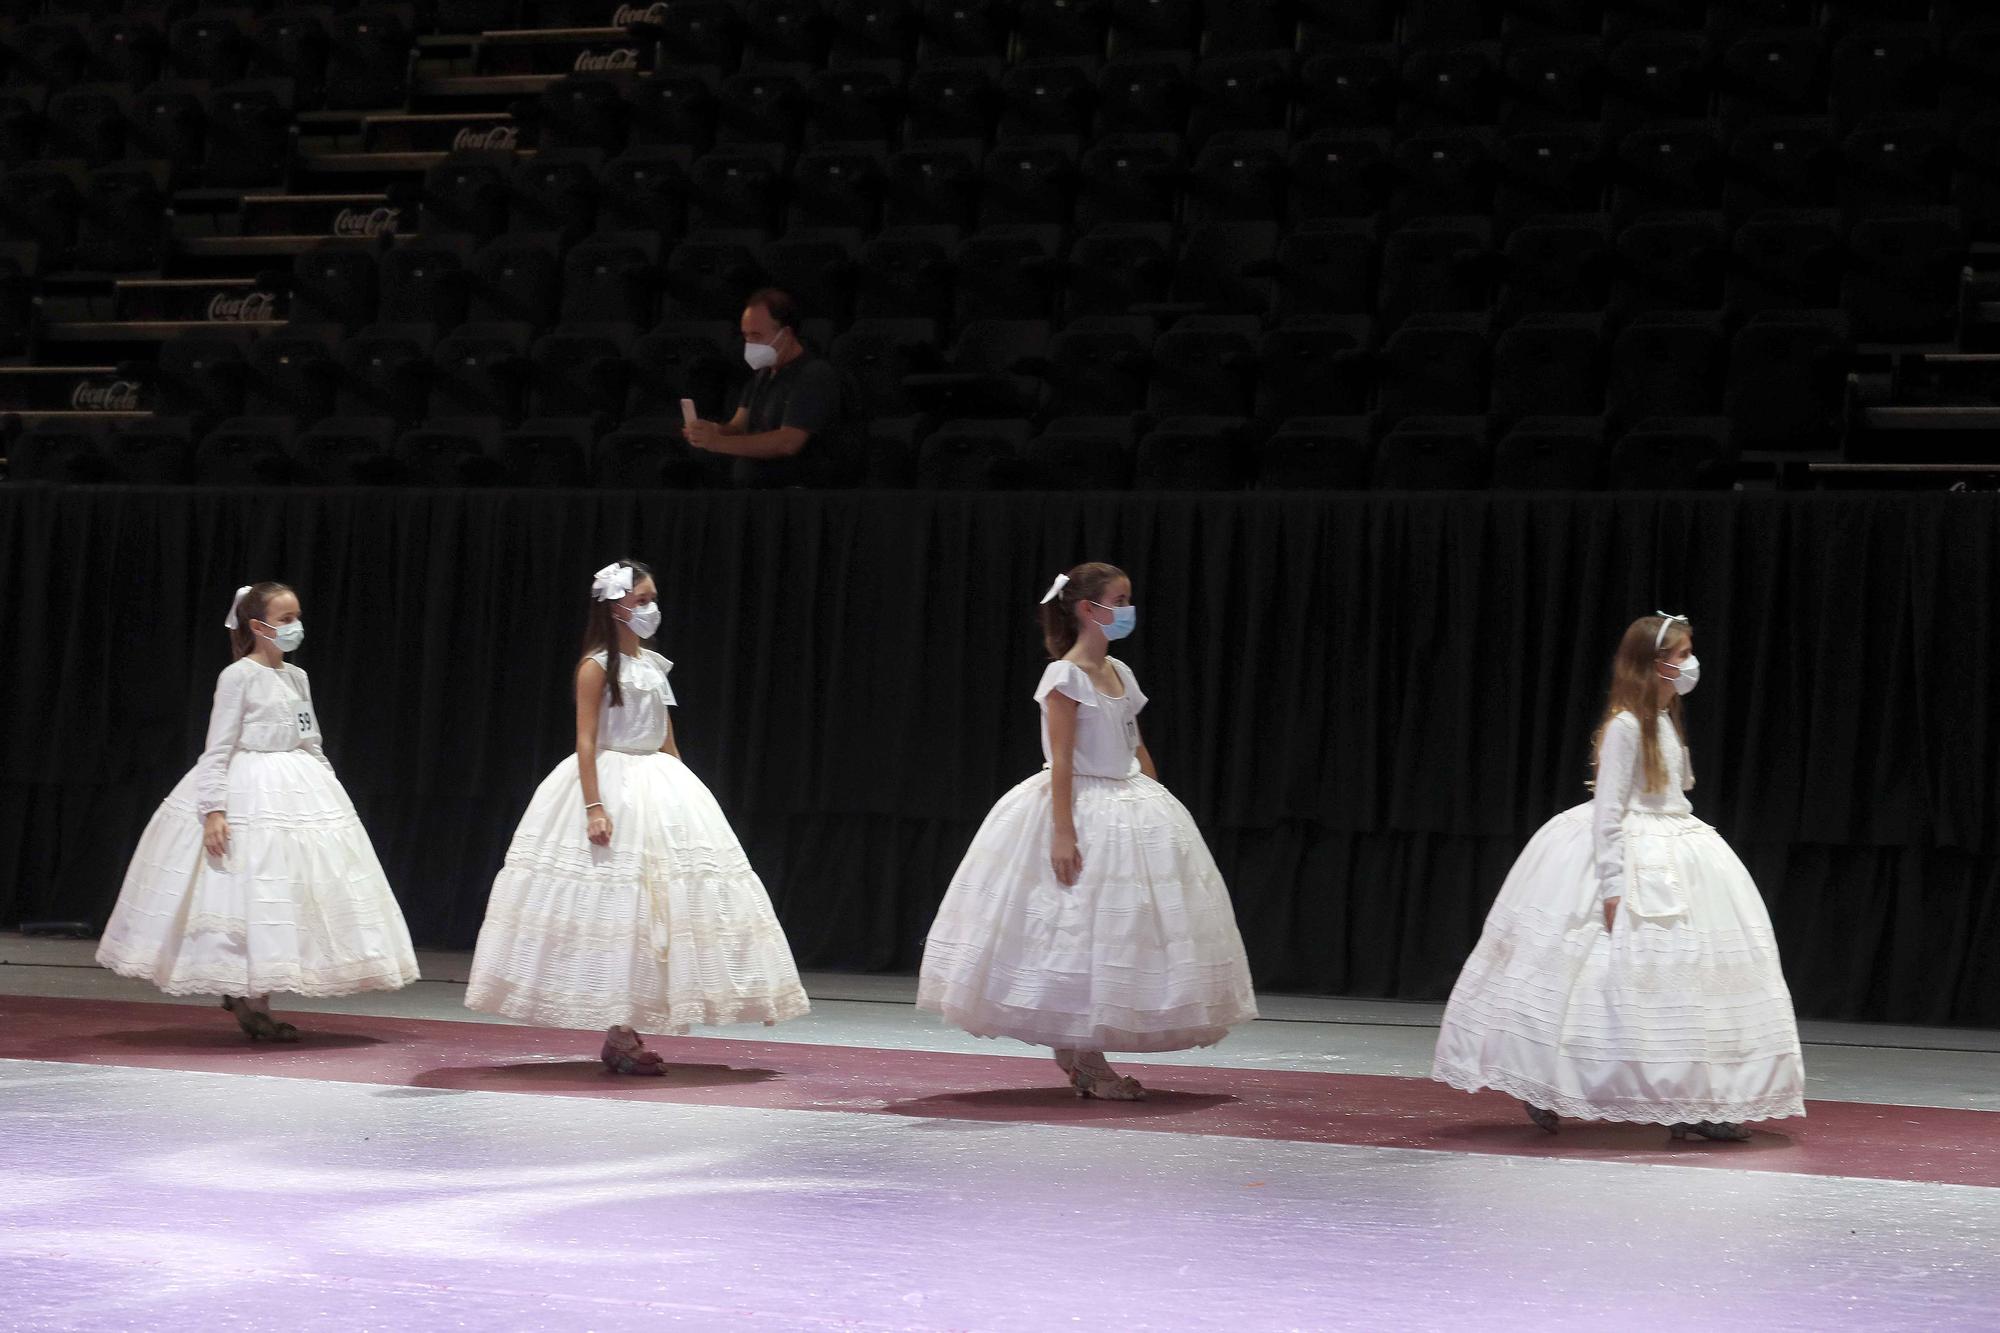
pixel 1368 701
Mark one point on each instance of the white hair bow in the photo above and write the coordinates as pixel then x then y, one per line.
pixel 1665 620
pixel 229 621
pixel 611 582
pixel 1062 581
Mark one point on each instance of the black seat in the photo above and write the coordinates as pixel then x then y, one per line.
pixel 1321 366
pixel 1205 366
pixel 1434 454
pixel 1194 454
pixel 580 370
pixel 516 278
pixel 1550 454
pixel 347 451
pixel 1435 364
pixel 1083 454
pixel 1318 454
pixel 1671 454
pixel 684 359
pixel 613 277
pixel 978 454
pixel 450 451
pixel 556 191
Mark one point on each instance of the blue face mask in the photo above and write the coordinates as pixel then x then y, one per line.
pixel 1124 619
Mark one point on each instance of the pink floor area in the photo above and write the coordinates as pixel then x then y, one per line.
pixel 1837 1139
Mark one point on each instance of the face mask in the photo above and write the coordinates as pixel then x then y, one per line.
pixel 762 356
pixel 1690 675
pixel 1124 619
pixel 644 620
pixel 288 637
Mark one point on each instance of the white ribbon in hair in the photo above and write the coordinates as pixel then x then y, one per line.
pixel 229 621
pixel 1062 581
pixel 611 582
pixel 1665 621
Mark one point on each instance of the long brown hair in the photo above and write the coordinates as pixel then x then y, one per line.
pixel 600 631
pixel 1087 583
pixel 1635 689
pixel 255 603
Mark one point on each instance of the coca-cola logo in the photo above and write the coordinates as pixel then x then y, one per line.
pixel 249 306
pixel 104 396
pixel 379 221
pixel 494 136
pixel 627 15
pixel 600 62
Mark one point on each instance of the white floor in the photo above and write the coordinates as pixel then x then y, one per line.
pixel 145 1198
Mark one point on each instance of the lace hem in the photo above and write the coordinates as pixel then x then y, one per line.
pixel 1060 1036
pixel 326 984
pixel 673 1017
pixel 1778 1106
pixel 1133 1026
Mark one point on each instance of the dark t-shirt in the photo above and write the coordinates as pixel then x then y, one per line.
pixel 804 395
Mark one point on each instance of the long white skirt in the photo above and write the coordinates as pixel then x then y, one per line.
pixel 1141 954
pixel 665 928
pixel 1678 1013
pixel 298 904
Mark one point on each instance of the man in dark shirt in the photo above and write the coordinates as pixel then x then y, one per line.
pixel 787 430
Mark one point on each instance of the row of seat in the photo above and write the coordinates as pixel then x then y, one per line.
pixel 1897 278
pixel 360 61
pixel 1776 379
pixel 840 32
pixel 1666 167
pixel 1094 453
pixel 659 189
pixel 240 134
pixel 1543 85
pixel 1319 453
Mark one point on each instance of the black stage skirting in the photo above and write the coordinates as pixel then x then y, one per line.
pixel 1368 701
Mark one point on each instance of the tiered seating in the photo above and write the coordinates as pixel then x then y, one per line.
pixel 1104 243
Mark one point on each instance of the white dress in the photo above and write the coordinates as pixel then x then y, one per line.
pixel 1678 1013
pixel 298 904
pixel 665 928
pixel 1141 954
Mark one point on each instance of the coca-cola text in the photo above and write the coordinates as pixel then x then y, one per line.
pixel 501 137
pixel 247 306
pixel 104 396
pixel 380 221
pixel 601 62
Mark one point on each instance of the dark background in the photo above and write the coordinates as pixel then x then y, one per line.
pixel 1368 701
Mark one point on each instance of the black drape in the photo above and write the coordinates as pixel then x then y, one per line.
pixel 1368 701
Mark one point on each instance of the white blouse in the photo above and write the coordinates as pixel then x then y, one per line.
pixel 1107 729
pixel 1618 793
pixel 639 724
pixel 268 709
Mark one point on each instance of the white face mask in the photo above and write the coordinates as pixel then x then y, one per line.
pixel 762 356
pixel 287 637
pixel 644 620
pixel 1690 674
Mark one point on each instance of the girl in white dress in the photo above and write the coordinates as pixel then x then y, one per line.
pixel 626 902
pixel 1628 970
pixel 1087 915
pixel 255 874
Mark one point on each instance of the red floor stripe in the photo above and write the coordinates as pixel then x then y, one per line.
pixel 1837 1139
